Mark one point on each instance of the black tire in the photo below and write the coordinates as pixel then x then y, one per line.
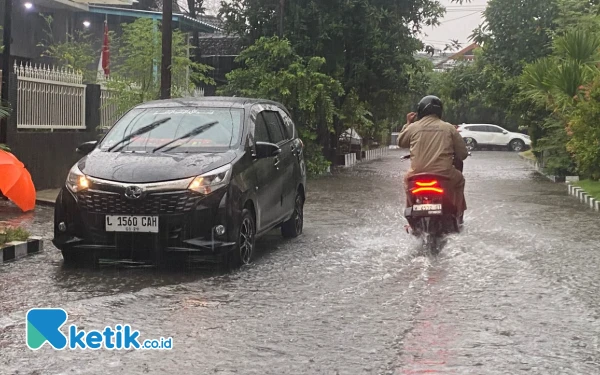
pixel 471 143
pixel 517 145
pixel 246 236
pixel 293 227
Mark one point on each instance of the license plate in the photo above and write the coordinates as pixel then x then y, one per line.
pixel 427 207
pixel 123 223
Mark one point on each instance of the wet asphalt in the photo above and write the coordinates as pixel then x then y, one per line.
pixel 515 293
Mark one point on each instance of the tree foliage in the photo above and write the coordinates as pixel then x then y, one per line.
pixel 136 76
pixel 272 70
pixel 517 32
pixel 76 52
pixel 367 46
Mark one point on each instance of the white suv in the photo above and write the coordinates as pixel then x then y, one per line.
pixel 491 135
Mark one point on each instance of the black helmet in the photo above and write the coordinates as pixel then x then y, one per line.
pixel 430 105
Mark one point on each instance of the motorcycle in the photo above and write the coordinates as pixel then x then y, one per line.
pixel 432 215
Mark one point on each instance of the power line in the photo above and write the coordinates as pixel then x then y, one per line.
pixel 459 18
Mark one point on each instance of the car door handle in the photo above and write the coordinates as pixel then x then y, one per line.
pixel 276 161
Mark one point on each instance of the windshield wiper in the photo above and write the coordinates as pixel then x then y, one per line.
pixel 140 131
pixel 195 131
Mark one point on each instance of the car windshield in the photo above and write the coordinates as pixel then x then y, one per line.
pixel 179 121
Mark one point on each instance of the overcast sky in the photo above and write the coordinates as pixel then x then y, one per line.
pixel 458 23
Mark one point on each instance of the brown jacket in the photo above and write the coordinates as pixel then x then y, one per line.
pixel 433 143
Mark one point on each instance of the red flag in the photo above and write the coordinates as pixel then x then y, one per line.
pixel 105 51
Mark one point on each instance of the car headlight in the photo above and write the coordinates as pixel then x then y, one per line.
pixel 76 180
pixel 210 181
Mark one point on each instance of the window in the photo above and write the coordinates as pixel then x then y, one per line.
pixel 477 128
pixel 179 121
pixel 494 129
pixel 274 126
pixel 260 130
pixel 288 125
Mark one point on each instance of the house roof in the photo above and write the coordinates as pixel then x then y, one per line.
pixel 462 53
pixel 183 20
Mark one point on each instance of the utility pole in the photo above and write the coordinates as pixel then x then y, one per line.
pixel 281 14
pixel 7 39
pixel 167 49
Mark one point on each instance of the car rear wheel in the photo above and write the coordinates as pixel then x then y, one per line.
pixel 293 227
pixel 517 145
pixel 244 249
pixel 471 143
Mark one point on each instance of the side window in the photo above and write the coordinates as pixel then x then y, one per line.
pixel 274 126
pixel 493 129
pixel 288 125
pixel 260 130
pixel 480 128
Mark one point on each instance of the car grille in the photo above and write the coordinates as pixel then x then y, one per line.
pixel 101 202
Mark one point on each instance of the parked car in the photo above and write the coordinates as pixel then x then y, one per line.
pixel 205 176
pixel 476 135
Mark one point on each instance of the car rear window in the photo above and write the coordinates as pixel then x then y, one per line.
pixel 223 135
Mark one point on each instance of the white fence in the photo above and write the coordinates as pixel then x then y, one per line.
pixel 377 153
pixel 49 98
pixel 108 109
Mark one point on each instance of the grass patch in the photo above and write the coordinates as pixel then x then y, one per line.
pixel 528 155
pixel 590 187
pixel 13 234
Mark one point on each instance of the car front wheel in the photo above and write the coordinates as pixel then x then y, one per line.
pixel 471 143
pixel 244 249
pixel 517 145
pixel 293 227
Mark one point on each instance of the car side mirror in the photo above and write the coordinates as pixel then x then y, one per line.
pixel 266 150
pixel 86 148
pixel 504 132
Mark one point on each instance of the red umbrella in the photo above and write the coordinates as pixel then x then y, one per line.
pixel 15 182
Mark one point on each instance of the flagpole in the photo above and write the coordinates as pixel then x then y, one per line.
pixel 167 44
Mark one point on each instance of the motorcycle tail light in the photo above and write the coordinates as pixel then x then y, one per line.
pixel 427 187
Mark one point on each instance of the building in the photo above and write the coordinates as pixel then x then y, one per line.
pixel 30 31
pixel 467 54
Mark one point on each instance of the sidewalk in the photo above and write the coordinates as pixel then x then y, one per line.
pixel 46 197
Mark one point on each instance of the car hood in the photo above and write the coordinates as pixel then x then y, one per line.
pixel 143 168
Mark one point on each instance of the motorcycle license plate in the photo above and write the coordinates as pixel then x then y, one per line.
pixel 427 207
pixel 122 223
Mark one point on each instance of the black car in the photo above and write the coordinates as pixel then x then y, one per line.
pixel 205 176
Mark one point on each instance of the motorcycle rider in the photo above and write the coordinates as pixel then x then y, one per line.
pixel 434 145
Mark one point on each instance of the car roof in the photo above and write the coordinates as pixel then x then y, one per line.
pixel 480 125
pixel 208 101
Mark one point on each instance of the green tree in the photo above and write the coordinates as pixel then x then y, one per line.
pixel 517 32
pixel 75 52
pixel 555 82
pixel 368 46
pixel 272 70
pixel 136 75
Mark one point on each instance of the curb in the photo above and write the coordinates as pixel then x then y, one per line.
pixel 539 170
pixel 20 249
pixel 575 191
pixel 584 197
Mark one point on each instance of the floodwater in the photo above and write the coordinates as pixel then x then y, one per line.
pixel 516 292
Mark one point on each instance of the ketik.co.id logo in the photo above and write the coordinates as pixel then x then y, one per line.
pixel 43 325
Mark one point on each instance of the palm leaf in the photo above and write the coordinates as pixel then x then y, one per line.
pixel 535 79
pixel 580 46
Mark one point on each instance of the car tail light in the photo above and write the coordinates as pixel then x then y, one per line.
pixel 427 187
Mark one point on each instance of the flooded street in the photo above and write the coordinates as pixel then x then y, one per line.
pixel 516 292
